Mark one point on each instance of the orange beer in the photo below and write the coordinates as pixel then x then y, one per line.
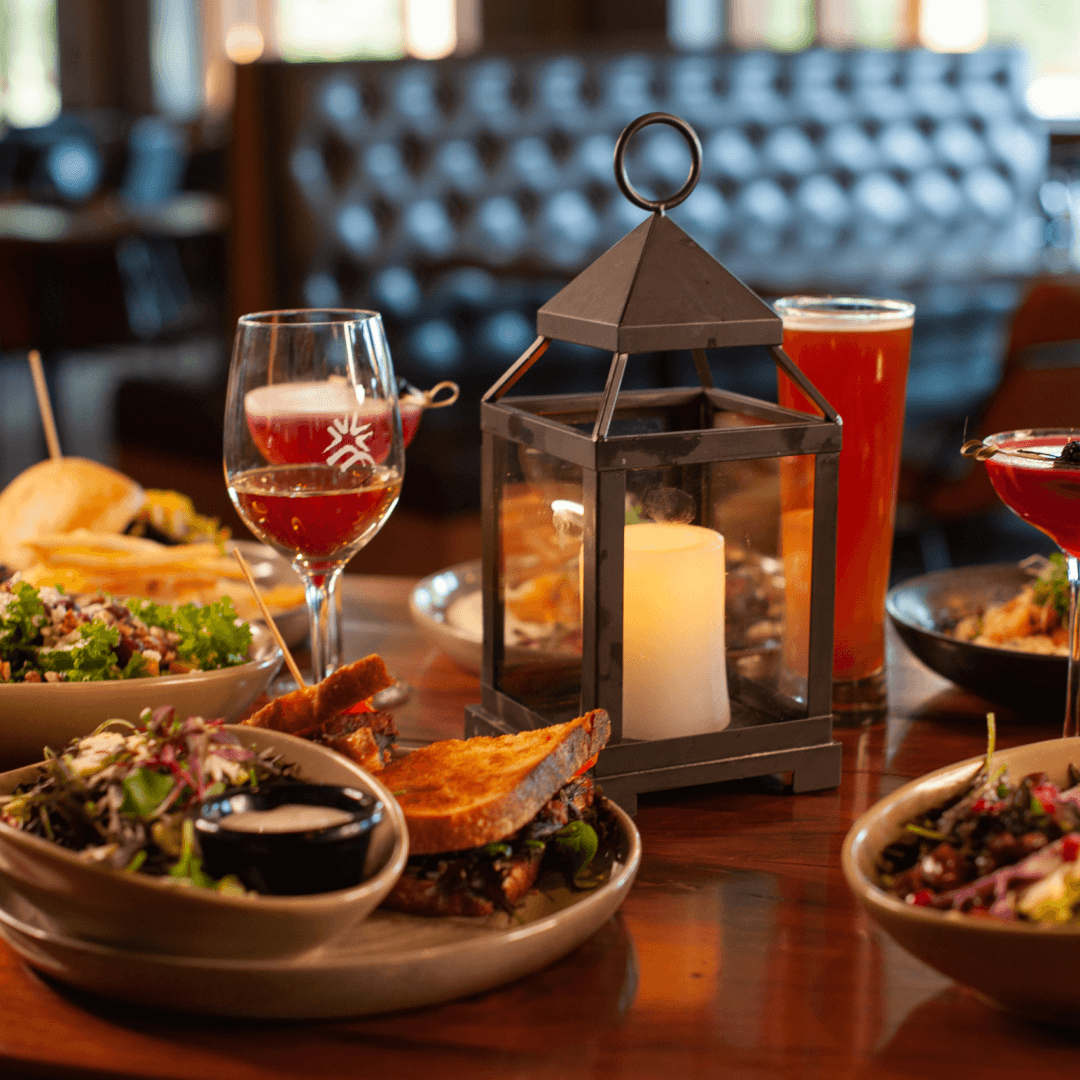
pixel 856 354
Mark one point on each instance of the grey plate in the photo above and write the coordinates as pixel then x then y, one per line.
pixel 389 961
pixel 924 607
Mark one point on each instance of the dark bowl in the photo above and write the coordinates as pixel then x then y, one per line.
pixel 295 862
pixel 924 608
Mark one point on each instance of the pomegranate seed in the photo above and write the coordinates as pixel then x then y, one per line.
pixel 1070 847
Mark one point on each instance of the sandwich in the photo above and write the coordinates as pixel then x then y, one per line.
pixel 337 713
pixel 483 812
pixel 59 496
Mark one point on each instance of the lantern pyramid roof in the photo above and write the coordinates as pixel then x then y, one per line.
pixel 657 289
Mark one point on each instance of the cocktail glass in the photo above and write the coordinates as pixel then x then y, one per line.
pixel 1038 479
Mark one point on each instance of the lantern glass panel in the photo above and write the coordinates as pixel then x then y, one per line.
pixel 796 550
pixel 540 523
pixel 755 586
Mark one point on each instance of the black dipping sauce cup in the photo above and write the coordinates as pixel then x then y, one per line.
pixel 291 863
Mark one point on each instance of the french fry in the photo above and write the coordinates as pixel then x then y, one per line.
pixel 129 554
pixel 130 566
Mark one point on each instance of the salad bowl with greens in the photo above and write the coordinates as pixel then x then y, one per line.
pixel 67 663
pixel 97 841
pixel 1007 924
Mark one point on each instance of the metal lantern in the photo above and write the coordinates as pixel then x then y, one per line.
pixel 667 555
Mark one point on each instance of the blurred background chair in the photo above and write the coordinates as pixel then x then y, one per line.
pixel 959 519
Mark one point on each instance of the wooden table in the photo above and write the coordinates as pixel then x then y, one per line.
pixel 739 952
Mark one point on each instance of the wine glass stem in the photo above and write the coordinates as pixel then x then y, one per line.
pixel 1072 699
pixel 319 591
pixel 337 629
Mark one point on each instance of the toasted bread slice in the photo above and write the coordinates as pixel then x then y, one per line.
pixel 311 707
pixel 459 794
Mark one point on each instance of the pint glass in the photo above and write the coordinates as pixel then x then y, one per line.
pixel 855 351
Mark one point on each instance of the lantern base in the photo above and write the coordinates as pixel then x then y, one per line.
pixel 813 767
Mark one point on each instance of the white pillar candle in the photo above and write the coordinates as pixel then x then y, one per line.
pixel 674 665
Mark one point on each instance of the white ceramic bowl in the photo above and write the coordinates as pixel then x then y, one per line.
pixel 138 912
pixel 1027 968
pixel 38 715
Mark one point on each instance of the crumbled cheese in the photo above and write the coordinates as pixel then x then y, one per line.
pixel 94 749
pixel 65 646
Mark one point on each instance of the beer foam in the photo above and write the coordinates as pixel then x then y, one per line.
pixel 308 399
pixel 860 317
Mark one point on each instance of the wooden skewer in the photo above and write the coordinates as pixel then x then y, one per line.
pixel 44 405
pixel 289 661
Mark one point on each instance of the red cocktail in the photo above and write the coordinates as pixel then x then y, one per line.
pixel 856 353
pixel 319 422
pixel 1042 491
pixel 1037 474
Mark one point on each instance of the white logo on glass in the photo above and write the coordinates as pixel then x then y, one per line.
pixel 349 454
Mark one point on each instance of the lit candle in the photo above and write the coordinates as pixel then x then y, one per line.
pixel 674 665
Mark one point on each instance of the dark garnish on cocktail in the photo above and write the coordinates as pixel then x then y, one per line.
pixel 1070 455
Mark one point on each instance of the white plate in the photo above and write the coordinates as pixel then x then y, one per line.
pixel 390 961
pixel 36 715
pixel 448 609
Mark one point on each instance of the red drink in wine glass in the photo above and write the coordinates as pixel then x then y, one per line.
pixel 318 422
pixel 314 457
pixel 304 508
pixel 411 411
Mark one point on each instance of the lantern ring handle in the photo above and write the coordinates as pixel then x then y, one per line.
pixel 623 180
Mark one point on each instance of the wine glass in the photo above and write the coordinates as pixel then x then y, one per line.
pixel 413 403
pixel 1036 472
pixel 314 457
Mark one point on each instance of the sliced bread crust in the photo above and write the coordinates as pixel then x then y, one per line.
pixel 459 794
pixel 310 707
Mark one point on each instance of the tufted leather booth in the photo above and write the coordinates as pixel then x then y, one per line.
pixel 456 196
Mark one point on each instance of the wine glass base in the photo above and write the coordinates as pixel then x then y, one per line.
pixel 396 694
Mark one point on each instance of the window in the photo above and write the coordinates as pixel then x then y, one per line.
pixel 28 47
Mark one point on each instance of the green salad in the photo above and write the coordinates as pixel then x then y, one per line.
pixel 47 635
pixel 123 797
